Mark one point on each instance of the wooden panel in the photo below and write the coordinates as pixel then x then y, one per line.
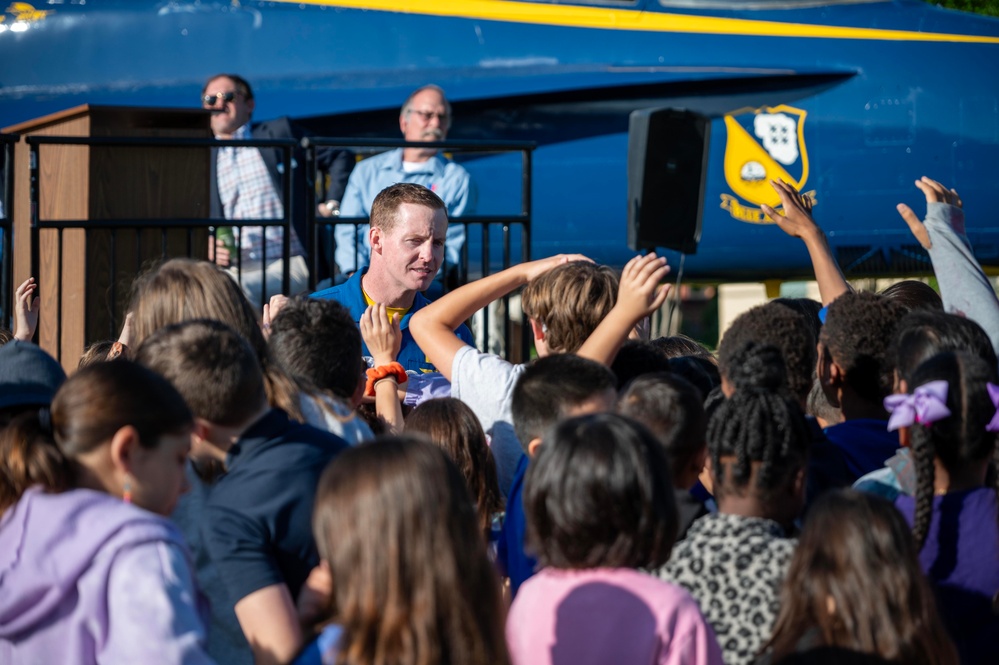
pixel 76 287
pixel 79 182
pixel 63 176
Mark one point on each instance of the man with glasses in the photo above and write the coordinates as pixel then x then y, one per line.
pixel 425 116
pixel 246 184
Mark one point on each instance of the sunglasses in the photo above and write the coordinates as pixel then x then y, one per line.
pixel 211 100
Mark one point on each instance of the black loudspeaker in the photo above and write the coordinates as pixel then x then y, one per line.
pixel 667 160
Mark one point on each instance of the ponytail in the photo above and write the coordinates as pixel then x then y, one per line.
pixel 29 456
pixel 956 437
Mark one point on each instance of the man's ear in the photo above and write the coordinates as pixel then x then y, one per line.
pixel 124 443
pixel 375 237
pixel 538 329
pixel 403 120
pixel 532 447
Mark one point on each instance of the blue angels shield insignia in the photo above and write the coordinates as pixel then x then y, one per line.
pixel 763 145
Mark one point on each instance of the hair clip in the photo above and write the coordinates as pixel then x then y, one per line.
pixel 927 404
pixel 993 425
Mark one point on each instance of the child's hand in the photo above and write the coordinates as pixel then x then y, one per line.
pixel 640 294
pixel 271 310
pixel 26 310
pixel 797 219
pixel 382 336
pixel 541 266
pixel 935 193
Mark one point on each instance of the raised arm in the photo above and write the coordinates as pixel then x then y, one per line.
pixel 964 288
pixel 639 295
pixel 433 326
pixel 269 620
pixel 383 339
pixel 26 310
pixel 797 222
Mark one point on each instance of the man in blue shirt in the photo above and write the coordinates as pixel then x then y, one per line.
pixel 425 116
pixel 407 234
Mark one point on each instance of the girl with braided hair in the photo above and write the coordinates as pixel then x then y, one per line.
pixel 949 421
pixel 734 561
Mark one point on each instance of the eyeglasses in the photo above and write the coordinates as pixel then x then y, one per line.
pixel 211 100
pixel 427 116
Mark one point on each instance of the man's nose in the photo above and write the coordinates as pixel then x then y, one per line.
pixel 427 251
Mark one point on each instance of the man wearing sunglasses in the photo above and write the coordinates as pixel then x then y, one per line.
pixel 425 116
pixel 246 184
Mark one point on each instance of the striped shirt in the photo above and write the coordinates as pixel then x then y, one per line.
pixel 247 192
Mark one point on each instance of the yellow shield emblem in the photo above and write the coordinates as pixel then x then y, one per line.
pixel 763 145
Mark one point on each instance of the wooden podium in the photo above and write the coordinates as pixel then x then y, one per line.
pixel 85 273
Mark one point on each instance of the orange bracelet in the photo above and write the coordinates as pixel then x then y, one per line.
pixel 376 374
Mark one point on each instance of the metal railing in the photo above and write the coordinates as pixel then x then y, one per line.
pixel 7 142
pixel 142 226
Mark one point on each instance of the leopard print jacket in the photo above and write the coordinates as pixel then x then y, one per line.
pixel 734 566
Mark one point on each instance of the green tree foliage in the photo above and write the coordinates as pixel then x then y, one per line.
pixel 987 7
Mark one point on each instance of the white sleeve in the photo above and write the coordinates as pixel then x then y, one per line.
pixel 485 383
pixel 152 609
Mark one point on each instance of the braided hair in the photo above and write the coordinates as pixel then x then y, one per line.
pixel 959 439
pixel 759 424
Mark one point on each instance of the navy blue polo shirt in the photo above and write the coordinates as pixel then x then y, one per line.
pixel 516 563
pixel 411 357
pixel 257 524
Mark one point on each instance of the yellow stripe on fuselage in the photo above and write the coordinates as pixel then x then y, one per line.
pixel 630 19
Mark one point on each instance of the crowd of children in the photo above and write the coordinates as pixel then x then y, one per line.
pixel 210 486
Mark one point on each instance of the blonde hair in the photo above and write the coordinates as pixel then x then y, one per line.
pixel 184 289
pixel 570 301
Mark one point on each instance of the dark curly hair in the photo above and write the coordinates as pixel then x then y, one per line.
pixel 757 425
pixel 780 326
pixel 858 330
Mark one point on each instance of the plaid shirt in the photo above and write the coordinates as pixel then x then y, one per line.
pixel 247 192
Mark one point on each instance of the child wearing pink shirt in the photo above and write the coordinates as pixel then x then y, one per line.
pixel 600 505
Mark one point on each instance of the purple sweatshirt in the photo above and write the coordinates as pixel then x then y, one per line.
pixel 88 579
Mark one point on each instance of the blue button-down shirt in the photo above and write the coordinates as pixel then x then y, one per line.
pixel 411 357
pixel 446 179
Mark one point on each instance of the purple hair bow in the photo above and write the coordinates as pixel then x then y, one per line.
pixel 927 404
pixel 993 425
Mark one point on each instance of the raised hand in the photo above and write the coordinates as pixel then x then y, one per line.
pixel 26 308
pixel 640 293
pixel 797 220
pixel 271 310
pixel 541 266
pixel 935 193
pixel 381 335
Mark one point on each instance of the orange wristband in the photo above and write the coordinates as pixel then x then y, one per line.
pixel 390 371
